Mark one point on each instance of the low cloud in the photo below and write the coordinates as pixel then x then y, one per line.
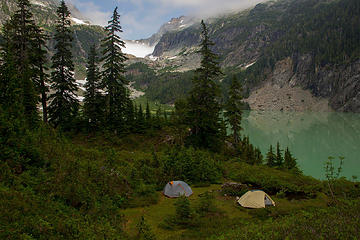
pixel 141 18
pixel 92 12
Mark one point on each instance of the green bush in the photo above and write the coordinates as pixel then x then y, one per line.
pixel 272 180
pixel 188 164
pixel 206 204
pixel 184 216
pixel 340 222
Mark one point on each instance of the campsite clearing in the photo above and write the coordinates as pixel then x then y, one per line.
pixel 228 208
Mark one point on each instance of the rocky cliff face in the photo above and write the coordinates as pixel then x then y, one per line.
pixel 286 43
pixel 295 84
pixel 175 24
pixel 339 83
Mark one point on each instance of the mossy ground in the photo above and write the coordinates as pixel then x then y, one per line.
pixel 229 213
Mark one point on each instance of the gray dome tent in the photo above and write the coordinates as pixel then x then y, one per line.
pixel 175 189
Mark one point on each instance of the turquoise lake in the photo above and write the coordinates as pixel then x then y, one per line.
pixel 311 137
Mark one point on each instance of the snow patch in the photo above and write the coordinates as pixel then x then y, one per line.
pixel 137 49
pixel 81 82
pixel 181 26
pixel 80 98
pixel 249 65
pixel 171 58
pixel 38 3
pixel 153 58
pixel 79 21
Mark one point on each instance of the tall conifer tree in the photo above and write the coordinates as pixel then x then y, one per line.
pixel 20 36
pixel 39 59
pixel 203 102
pixel 271 157
pixel 64 104
pixel 93 100
pixel 140 120
pixel 10 83
pixel 148 115
pixel 279 157
pixel 289 160
pixel 117 94
pixel 233 109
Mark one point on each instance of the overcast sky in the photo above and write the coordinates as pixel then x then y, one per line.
pixel 141 18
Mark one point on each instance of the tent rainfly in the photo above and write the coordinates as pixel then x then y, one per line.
pixel 255 199
pixel 176 189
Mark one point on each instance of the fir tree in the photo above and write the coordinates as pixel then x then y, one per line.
pixel 10 83
pixel 144 230
pixel 289 160
pixel 158 121
pixel 130 113
pixel 140 120
pixel 148 115
pixel 64 105
pixel 20 37
pixel 279 158
pixel 233 109
pixel 117 94
pixel 203 102
pixel 271 157
pixel 40 59
pixel 183 213
pixel 93 100
pixel 258 157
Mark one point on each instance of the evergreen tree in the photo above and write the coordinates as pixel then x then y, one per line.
pixel 130 113
pixel 20 36
pixel 183 211
pixel 140 120
pixel 271 157
pixel 148 115
pixel 279 158
pixel 117 94
pixel 40 59
pixel 158 121
pixel 289 160
pixel 233 109
pixel 93 100
pixel 10 83
pixel 144 230
pixel 12 119
pixel 203 102
pixel 64 105
pixel 258 157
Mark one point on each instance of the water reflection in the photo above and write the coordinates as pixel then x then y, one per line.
pixel 312 137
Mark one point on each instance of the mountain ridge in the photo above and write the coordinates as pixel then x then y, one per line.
pixel 319 36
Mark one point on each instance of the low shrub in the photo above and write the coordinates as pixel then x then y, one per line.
pixel 234 189
pixel 340 222
pixel 188 164
pixel 272 180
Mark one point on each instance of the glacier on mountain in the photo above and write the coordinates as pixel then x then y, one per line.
pixel 138 49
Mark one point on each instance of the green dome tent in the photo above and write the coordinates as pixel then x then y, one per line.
pixel 175 189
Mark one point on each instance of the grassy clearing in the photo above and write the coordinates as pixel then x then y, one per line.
pixel 153 105
pixel 230 214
